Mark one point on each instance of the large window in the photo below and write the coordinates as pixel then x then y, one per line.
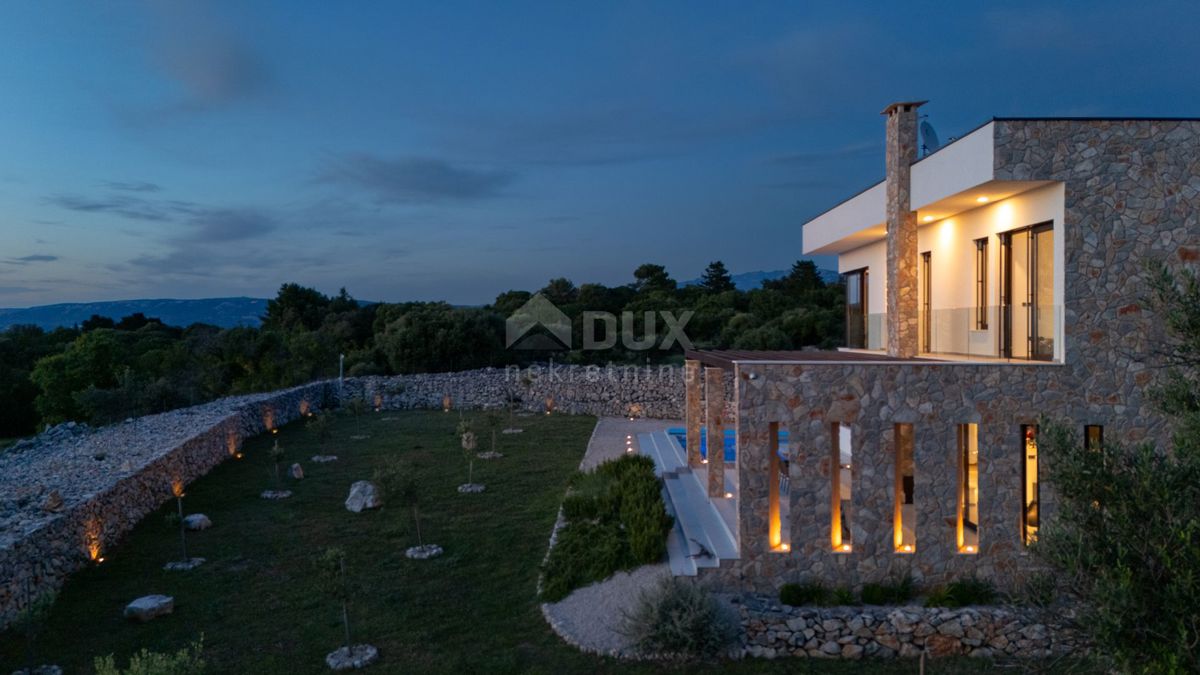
pixel 1029 477
pixel 905 516
pixel 842 461
pixel 981 284
pixel 968 488
pixel 856 309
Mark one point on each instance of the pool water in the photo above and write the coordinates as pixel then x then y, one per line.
pixel 730 439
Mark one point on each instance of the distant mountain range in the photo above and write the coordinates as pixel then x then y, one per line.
pixel 224 312
pixel 229 312
pixel 747 281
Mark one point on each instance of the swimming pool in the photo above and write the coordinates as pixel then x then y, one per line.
pixel 730 442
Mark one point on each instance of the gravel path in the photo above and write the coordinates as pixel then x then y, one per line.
pixel 589 617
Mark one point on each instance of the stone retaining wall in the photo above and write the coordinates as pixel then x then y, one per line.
pixel 613 391
pixel 66 504
pixel 772 630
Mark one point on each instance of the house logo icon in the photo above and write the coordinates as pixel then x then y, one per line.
pixel 538 325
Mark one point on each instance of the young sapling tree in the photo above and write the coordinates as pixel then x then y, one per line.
pixel 331 574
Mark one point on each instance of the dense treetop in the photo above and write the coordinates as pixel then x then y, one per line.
pixel 105 370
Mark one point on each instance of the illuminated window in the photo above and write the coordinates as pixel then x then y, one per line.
pixel 1029 476
pixel 842 460
pixel 968 488
pixel 905 517
pixel 981 283
pixel 777 489
pixel 1093 437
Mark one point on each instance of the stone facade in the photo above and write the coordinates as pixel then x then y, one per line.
pixel 109 480
pixel 1132 194
pixel 901 152
pixel 714 399
pixel 695 399
pixel 772 630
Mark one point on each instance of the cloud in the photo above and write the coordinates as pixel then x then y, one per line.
pixel 416 179
pixel 131 186
pixel 36 257
pixel 203 54
pixel 225 225
pixel 134 208
pixel 850 151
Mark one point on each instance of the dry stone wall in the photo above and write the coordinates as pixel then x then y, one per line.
pixel 639 391
pixel 68 496
pixel 771 630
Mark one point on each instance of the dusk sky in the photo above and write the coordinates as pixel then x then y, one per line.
pixel 456 150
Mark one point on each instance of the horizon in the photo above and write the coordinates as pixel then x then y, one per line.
pixel 455 152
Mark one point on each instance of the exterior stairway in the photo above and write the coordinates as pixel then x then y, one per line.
pixel 700 536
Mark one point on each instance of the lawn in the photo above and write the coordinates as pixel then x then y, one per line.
pixel 257 604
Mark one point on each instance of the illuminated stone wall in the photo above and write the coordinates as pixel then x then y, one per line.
pixel 111 478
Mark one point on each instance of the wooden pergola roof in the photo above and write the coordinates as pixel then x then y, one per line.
pixel 726 358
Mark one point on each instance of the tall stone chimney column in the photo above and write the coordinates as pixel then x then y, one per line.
pixel 901 230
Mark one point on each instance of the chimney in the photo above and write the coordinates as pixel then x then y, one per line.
pixel 901 230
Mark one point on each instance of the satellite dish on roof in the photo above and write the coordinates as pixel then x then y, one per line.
pixel 929 138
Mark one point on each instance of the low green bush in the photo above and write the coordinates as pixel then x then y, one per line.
pixel 585 552
pixel 186 661
pixel 799 595
pixel 888 594
pixel 616 519
pixel 962 593
pixel 678 618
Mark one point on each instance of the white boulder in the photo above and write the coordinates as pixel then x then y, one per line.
pixel 363 495
pixel 150 607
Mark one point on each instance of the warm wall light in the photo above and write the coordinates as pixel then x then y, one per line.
pixel 907 548
pixel 446 403
pixel 728 495
pixel 846 548
pixel 177 488
pixel 549 404
pixel 378 402
pixel 927 219
pixel 968 549
pixel 704 461
pixel 981 199
pixel 785 547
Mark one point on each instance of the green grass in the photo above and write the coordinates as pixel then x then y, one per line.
pixel 256 602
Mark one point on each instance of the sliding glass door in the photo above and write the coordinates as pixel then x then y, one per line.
pixel 856 308
pixel 1027 293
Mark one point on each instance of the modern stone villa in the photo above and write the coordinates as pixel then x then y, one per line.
pixel 989 283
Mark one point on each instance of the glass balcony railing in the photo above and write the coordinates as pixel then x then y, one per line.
pixel 1018 332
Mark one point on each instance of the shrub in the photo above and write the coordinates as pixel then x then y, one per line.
pixel 186 661
pixel 1126 537
pixel 585 552
pixel 888 594
pixel 620 505
pixel 962 593
pixel 799 595
pixel 678 618
pixel 843 596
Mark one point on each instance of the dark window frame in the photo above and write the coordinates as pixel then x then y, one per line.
pixel 981 283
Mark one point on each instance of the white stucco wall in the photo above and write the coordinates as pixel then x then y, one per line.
pixel 952 244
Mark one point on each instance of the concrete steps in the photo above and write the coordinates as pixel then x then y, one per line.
pixel 698 525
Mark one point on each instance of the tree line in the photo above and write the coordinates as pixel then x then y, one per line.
pixel 105 370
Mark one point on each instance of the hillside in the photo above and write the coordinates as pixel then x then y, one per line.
pixel 224 312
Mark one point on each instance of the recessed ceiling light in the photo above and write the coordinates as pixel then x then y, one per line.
pixel 928 219
pixel 981 200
